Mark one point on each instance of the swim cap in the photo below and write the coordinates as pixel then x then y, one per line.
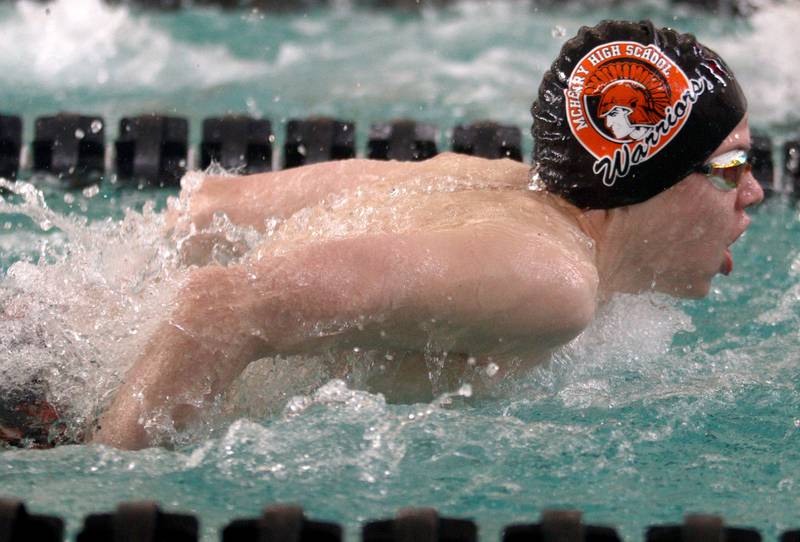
pixel 628 110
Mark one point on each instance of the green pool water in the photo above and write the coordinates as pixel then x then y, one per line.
pixel 660 408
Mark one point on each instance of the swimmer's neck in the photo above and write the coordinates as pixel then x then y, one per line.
pixel 617 251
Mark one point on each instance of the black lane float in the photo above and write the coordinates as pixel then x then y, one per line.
pixel 153 150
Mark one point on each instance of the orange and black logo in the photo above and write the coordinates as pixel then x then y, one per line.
pixel 625 102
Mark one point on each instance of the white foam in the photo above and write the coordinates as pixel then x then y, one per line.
pixel 618 357
pixel 85 43
pixel 764 59
pixel 78 317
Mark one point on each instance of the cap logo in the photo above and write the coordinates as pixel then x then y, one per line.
pixel 625 102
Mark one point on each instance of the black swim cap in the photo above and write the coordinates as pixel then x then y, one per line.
pixel 628 110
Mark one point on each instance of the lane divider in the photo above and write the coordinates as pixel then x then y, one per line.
pixel 17 525
pixel 153 150
pixel 284 523
pixel 144 521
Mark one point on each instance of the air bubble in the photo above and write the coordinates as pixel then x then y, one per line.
pixel 492 369
pixel 91 191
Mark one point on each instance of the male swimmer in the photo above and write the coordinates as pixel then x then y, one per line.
pixel 640 181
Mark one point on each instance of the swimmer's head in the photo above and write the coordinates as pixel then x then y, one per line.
pixel 628 110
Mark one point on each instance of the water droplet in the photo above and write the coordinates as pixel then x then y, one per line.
pixel 79 134
pixel 91 191
pixel 471 361
pixel 536 183
pixel 558 31
pixel 301 149
pixel 69 199
pixel 96 126
pixel 271 138
pixel 492 369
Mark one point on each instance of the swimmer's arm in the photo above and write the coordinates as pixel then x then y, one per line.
pixel 250 200
pixel 472 290
pixel 226 318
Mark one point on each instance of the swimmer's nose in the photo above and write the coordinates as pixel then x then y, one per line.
pixel 750 192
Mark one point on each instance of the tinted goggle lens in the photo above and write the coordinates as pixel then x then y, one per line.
pixel 726 170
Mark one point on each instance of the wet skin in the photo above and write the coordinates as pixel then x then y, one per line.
pixel 477 266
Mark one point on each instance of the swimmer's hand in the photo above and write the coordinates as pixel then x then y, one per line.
pixel 191 359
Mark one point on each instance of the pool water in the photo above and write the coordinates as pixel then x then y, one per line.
pixel 662 407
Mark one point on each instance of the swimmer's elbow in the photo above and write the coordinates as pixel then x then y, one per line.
pixel 578 311
pixel 562 309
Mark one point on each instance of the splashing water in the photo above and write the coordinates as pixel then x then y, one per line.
pixel 86 43
pixel 658 409
pixel 75 317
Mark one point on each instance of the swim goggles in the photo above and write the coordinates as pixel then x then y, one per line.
pixel 726 170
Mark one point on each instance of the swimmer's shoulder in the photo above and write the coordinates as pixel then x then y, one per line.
pixel 500 172
pixel 557 256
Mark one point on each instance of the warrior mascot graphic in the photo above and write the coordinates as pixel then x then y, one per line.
pixel 633 99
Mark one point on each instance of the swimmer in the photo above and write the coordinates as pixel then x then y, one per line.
pixel 635 187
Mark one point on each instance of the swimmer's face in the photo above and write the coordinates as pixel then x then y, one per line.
pixel 617 121
pixel 700 225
